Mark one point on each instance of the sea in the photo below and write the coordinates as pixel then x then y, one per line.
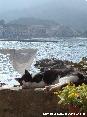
pixel 72 49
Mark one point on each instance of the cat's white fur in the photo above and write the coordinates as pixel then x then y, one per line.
pixel 58 83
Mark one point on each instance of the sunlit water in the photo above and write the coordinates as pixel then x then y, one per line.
pixel 70 49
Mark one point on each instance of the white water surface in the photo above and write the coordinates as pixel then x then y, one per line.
pixel 65 49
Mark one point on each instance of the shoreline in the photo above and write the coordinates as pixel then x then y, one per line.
pixel 43 39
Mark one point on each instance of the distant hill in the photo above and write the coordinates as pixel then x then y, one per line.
pixel 32 21
pixel 36 28
pixel 53 27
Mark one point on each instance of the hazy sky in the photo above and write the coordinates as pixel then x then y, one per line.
pixel 19 4
pixel 13 4
pixel 7 5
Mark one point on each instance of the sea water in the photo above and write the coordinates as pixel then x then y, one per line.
pixel 72 49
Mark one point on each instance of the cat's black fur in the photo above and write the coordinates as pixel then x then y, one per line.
pixel 38 77
pixel 27 77
pixel 50 76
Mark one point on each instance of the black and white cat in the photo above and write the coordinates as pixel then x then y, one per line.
pixel 52 78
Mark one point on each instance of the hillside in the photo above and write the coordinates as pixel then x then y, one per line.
pixel 32 21
pixel 25 28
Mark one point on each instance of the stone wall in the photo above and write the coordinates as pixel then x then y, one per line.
pixel 28 103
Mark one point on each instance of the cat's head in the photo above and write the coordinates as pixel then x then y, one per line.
pixel 27 77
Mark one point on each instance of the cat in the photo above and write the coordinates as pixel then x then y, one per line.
pixel 50 78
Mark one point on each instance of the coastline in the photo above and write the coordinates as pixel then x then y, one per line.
pixel 48 39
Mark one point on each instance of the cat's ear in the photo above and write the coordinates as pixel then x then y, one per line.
pixel 26 72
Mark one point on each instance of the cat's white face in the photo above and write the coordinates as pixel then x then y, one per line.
pixel 26 84
pixel 33 84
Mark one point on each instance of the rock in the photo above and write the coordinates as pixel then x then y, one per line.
pixel 46 64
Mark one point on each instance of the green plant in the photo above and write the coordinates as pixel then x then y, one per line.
pixel 74 95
